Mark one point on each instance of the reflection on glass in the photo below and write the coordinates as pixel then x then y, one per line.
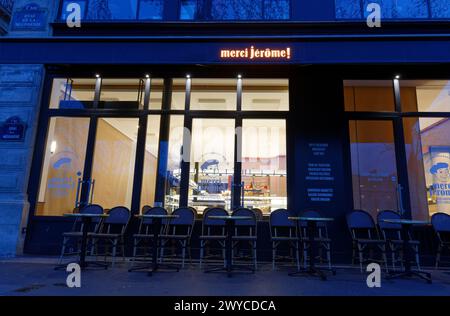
pixel 235 9
pixel 348 9
pixel 116 9
pixel 188 9
pixel 72 93
pixel 63 165
pixel 399 9
pixel 369 95
pixel 265 95
pixel 440 9
pixel 122 93
pixel 214 94
pixel 211 163
pixel 150 161
pixel 174 162
pixel 374 172
pixel 114 159
pixel 428 153
pixel 112 10
pixel 264 164
pixel 151 9
pixel 390 9
pixel 425 95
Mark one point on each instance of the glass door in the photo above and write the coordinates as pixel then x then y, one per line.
pixel 212 160
pixel 113 161
pixel 63 166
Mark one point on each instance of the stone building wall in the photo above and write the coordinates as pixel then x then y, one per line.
pixel 20 94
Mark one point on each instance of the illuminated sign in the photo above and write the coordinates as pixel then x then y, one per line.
pixel 253 53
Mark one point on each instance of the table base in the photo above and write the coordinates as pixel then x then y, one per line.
pixel 402 274
pixel 314 272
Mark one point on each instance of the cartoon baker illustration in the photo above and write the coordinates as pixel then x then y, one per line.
pixel 441 171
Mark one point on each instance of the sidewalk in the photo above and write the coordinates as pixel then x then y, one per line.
pixel 36 276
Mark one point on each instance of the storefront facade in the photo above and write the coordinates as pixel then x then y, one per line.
pixel 293 113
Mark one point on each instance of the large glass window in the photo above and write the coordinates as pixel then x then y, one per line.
pixel 122 93
pixel 440 9
pixel 425 95
pixel 150 161
pixel 265 95
pixel 213 146
pixel 235 10
pixel 178 94
pixel 114 159
pixel 72 93
pixel 214 94
pixel 427 144
pixel 390 9
pixel 369 95
pixel 374 172
pixel 212 163
pixel 176 136
pixel 100 10
pixel 63 165
pixel 264 164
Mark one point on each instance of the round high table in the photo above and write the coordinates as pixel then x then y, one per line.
pixel 157 224
pixel 230 224
pixel 87 221
pixel 312 228
pixel 407 256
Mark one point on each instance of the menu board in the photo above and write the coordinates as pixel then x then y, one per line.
pixel 319 176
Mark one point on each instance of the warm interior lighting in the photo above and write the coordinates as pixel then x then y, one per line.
pixel 53 147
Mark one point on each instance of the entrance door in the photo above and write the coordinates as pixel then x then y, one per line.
pixel 212 163
pixel 63 166
pixel 113 161
pixel 376 177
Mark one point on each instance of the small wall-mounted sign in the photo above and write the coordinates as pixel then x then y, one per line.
pixel 29 17
pixel 13 130
pixel 253 53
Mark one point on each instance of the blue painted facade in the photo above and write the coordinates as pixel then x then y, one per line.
pixel 414 38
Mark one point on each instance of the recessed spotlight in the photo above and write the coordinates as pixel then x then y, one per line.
pixel 147 76
pixel 97 76
pixel 188 76
pixel 397 76
pixel 239 76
